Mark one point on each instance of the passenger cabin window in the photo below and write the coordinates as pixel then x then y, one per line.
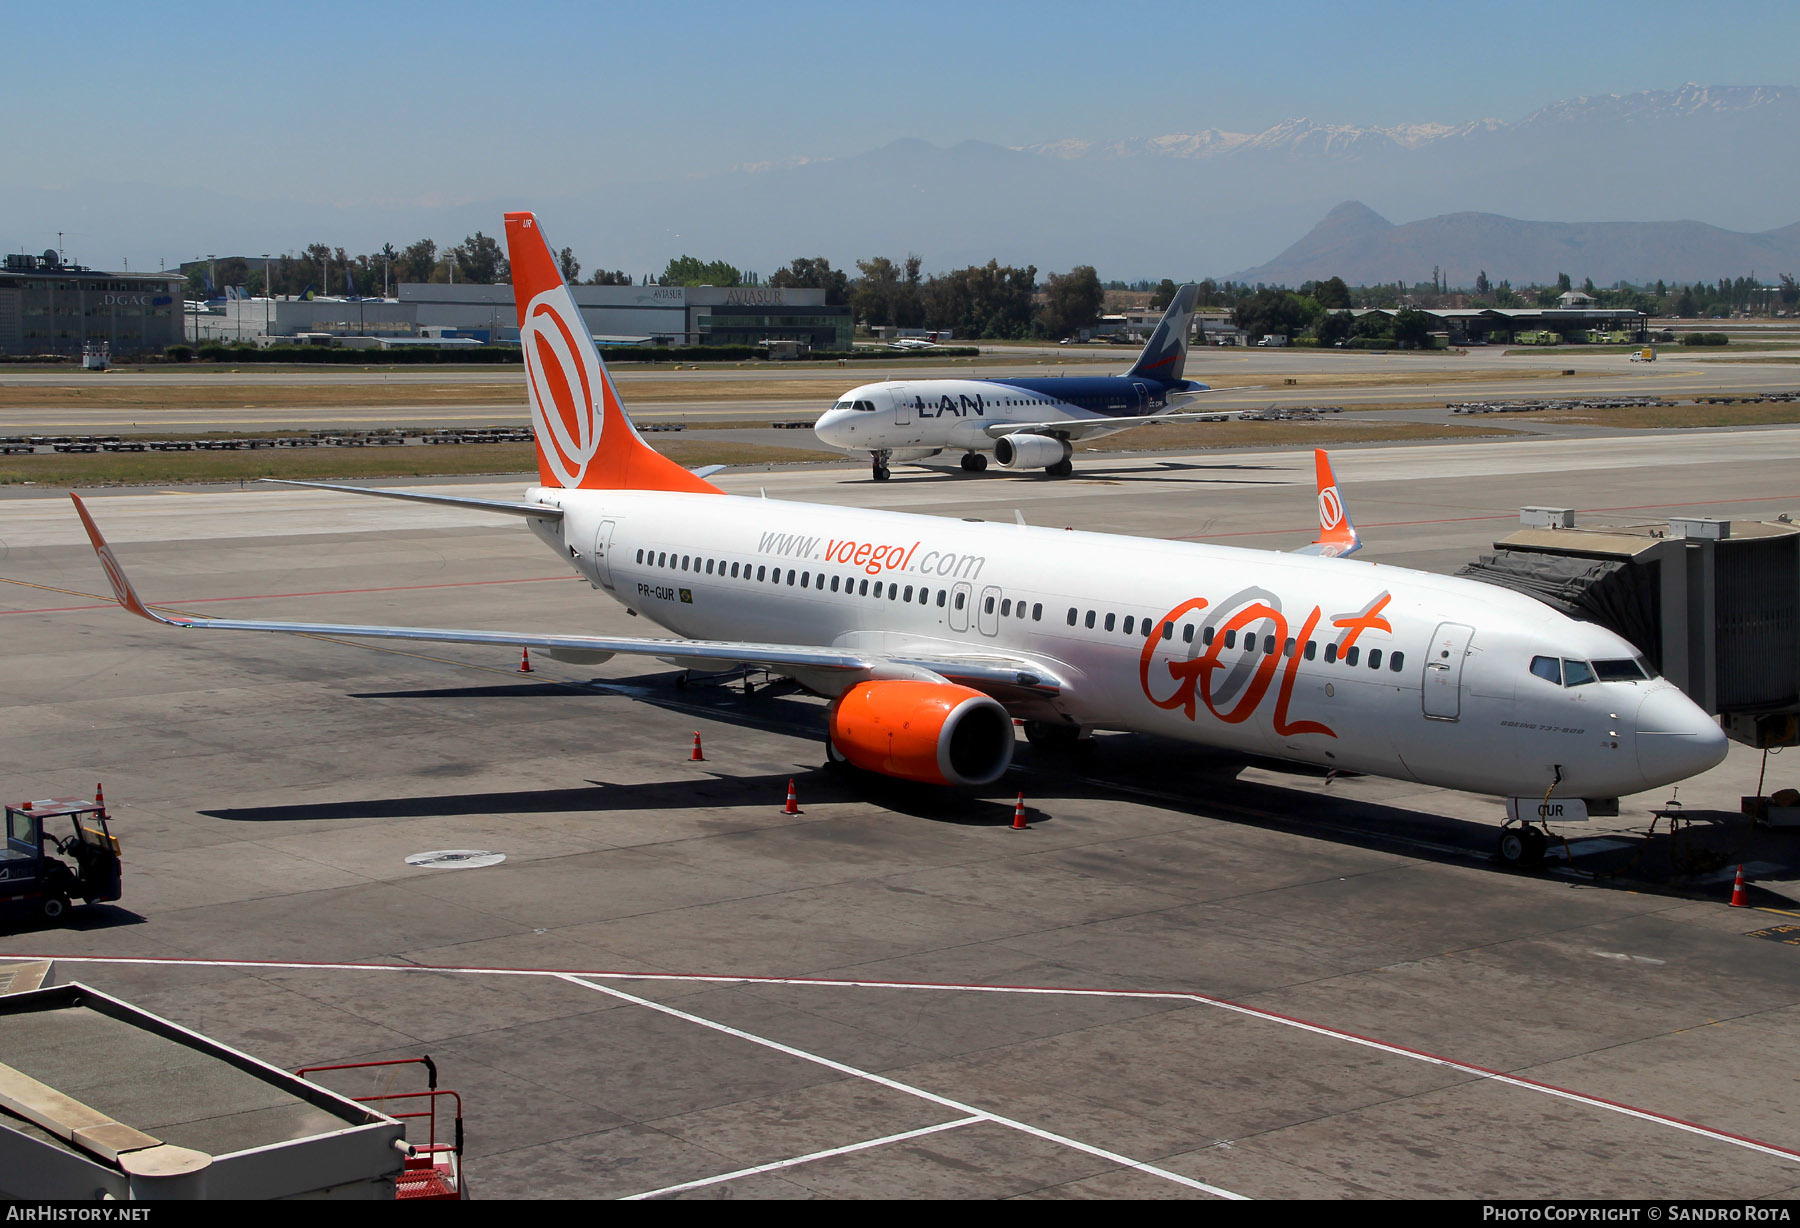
pixel 1072 615
pixel 1547 668
pixel 1037 611
pixel 987 607
pixel 1312 647
pixel 1006 608
pixel 1187 633
pixel 640 556
pixel 1231 639
pixel 1331 653
pixel 834 584
pixel 1168 631
pixel 1090 620
pixel 941 596
pixel 1395 662
pixel 759 573
pixel 1374 658
pixel 1128 621
pixel 960 599
pixel 1109 621
pixel 1350 654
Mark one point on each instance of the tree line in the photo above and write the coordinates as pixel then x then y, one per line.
pixel 992 300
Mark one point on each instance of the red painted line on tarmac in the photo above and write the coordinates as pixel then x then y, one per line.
pixel 1392 524
pixel 324 592
pixel 1649 1115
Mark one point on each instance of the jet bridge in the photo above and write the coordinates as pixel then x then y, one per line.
pixel 1713 604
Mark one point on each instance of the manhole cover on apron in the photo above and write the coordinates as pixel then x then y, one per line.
pixel 455 859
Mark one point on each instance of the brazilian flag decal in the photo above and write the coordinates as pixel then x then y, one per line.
pixel 687 596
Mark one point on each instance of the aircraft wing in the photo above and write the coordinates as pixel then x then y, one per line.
pixel 1081 428
pixel 828 670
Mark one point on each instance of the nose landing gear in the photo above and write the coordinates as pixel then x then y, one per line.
pixel 880 460
pixel 1522 845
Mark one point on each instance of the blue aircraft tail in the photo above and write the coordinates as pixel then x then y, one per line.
pixel 1166 354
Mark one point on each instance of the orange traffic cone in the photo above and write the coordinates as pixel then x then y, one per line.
pixel 1019 814
pixel 1739 897
pixel 793 803
pixel 100 797
pixel 696 757
pixel 525 661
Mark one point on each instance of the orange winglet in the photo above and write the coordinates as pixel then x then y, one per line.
pixel 115 574
pixel 584 439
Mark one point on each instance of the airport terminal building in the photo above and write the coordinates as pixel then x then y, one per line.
pixel 620 315
pixel 48 306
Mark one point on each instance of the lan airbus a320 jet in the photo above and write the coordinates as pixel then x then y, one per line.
pixel 929 635
pixel 1025 423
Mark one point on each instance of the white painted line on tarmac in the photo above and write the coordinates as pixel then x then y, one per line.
pixel 806 1159
pixel 907 1088
pixel 1482 1072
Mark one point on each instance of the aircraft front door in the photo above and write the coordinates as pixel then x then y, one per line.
pixel 1444 669
pixel 902 407
pixel 959 607
pixel 603 553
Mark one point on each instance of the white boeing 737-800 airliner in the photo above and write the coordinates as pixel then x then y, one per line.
pixel 929 635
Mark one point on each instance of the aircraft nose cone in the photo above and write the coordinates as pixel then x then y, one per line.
pixel 831 428
pixel 1675 739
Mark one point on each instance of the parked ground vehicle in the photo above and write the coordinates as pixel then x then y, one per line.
pixel 58 849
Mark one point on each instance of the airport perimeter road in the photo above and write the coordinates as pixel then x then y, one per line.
pixel 1190 977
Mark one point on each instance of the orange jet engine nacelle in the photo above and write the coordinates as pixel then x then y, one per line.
pixel 932 732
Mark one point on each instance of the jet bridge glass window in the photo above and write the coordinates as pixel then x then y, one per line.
pixel 1577 673
pixel 1619 671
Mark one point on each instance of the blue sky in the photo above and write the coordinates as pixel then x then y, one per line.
pixel 412 102
pixel 367 121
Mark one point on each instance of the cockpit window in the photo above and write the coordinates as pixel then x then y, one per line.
pixel 1620 671
pixel 1577 673
pixel 1547 668
pixel 867 407
pixel 845 405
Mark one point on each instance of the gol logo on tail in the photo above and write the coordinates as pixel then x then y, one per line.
pixel 566 384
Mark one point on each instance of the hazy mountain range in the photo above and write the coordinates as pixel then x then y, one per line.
pixel 1359 245
pixel 1199 203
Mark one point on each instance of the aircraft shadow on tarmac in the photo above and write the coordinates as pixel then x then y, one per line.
pixel 1165 471
pixel 766 791
pixel 1192 780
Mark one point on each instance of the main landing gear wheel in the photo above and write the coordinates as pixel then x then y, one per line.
pixel 1056 739
pixel 1061 469
pixel 974 462
pixel 1523 846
